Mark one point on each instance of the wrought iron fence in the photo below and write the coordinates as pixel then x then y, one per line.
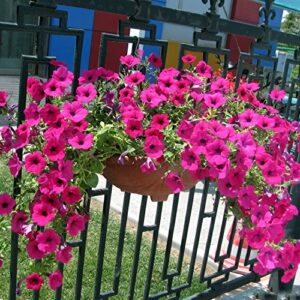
pixel 208 26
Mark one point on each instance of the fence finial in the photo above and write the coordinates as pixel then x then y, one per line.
pixel 213 4
pixel 267 11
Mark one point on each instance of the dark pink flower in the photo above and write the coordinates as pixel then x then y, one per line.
pixel 247 197
pixel 58 182
pixel 126 93
pixel 129 60
pixel 82 141
pixel 7 204
pixel 48 240
pixel 54 149
pixel 134 79
pixel 65 167
pixel 50 113
pixel 151 98
pixel 14 165
pixel 185 130
pixel 53 88
pixel 227 187
pixel 3 98
pixel 173 181
pixel 36 91
pixel 277 95
pixel 52 200
pixel 74 111
pixel 33 250
pixel 18 221
pixel 272 173
pixel 32 114
pixel 134 128
pixel 42 214
pixel 63 77
pixel 159 121
pixel 189 58
pixel 35 163
pixel 267 256
pixel 216 148
pixel 289 274
pixel 153 147
pixel 71 194
pixel 155 60
pixel 248 118
pixel 257 237
pixel 86 93
pixel 261 215
pixel 64 255
pixel 55 280
pixel 214 100
pixel 88 76
pixel 199 141
pixel 189 160
pixel 220 85
pixel 203 69
pixel 76 223
pixel 34 281
pixel 148 166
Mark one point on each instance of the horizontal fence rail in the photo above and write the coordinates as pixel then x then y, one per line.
pixel 203 208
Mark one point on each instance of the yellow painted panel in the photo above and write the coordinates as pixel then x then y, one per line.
pixel 173 54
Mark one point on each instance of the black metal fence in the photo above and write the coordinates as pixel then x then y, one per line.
pixel 208 26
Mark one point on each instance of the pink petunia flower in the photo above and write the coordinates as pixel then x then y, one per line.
pixel 74 111
pixel 54 149
pixel 75 224
pixel 86 93
pixel 154 147
pixel 155 60
pixel 82 141
pixel 277 95
pixel 151 98
pixel 58 182
pixel 55 280
pixel 53 88
pixel 35 163
pixel 189 160
pixel 185 130
pixel 247 197
pixel 227 187
pixel 36 91
pixel 63 77
pixel 48 240
pixel 34 282
pixel 71 194
pixel 88 76
pixel 129 60
pixel 148 166
pixel 160 121
pixel 257 237
pixel 3 98
pixel 42 214
pixel 18 221
pixel 50 113
pixel 203 69
pixel 220 85
pixel 7 204
pixel 199 141
pixel 52 200
pixel 134 79
pixel 173 181
pixel 248 118
pixel 64 255
pixel 33 250
pixel 214 100
pixel 14 165
pixel 216 148
pixel 65 167
pixel 272 173
pixel 261 215
pixel 32 114
pixel 188 58
pixel 134 128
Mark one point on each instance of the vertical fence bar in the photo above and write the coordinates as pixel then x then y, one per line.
pixel 138 243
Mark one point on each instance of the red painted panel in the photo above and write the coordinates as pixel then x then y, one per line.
pixel 244 11
pixel 106 22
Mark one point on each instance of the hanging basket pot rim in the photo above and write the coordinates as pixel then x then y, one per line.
pixel 129 178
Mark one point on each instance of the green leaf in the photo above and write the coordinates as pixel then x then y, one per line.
pixel 92 180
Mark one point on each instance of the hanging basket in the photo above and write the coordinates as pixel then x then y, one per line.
pixel 129 178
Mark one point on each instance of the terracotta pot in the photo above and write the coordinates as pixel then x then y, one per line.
pixel 129 178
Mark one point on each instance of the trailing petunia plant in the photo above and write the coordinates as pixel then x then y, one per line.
pixel 192 118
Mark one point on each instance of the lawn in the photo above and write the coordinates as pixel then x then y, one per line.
pixel 109 263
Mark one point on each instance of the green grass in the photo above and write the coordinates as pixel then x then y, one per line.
pixel 109 262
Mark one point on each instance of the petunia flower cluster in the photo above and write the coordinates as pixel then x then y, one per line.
pixel 191 118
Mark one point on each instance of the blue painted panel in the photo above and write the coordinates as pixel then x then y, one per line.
pixel 159 27
pixel 63 46
pixel 274 24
